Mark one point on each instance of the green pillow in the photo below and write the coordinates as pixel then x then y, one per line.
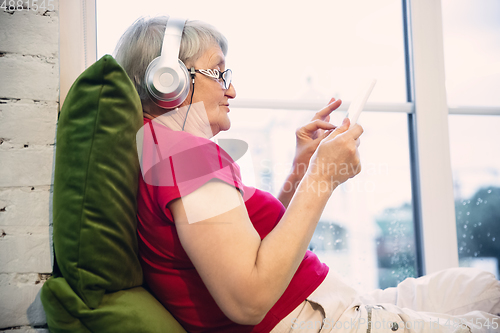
pixel 131 310
pixel 95 183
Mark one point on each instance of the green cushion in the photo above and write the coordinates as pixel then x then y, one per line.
pixel 95 183
pixel 97 278
pixel 131 310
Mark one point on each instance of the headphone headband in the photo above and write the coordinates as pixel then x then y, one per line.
pixel 172 40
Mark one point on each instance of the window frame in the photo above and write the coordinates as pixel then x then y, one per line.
pixel 426 107
pixel 431 161
pixel 77 41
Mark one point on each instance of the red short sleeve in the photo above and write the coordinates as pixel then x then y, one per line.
pixel 178 162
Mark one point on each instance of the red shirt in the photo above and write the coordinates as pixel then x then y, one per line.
pixel 186 163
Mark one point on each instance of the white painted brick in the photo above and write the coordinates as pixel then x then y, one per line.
pixel 31 166
pixel 30 77
pixel 20 302
pixel 25 206
pixel 29 68
pixel 25 249
pixel 29 32
pixel 28 122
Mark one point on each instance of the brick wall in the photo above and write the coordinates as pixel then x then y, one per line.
pixel 29 102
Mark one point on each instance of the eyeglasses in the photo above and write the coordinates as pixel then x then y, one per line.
pixel 216 74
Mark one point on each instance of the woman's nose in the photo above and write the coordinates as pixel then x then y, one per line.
pixel 231 92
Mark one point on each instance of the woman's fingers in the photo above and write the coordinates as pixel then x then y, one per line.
pixel 316 125
pixel 338 149
pixel 341 129
pixel 325 112
pixel 353 132
pixel 324 128
pixel 356 131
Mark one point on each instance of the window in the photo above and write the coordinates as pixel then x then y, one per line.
pixel 311 51
pixel 472 51
pixel 476 174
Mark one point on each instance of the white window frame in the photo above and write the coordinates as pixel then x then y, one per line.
pixel 77 41
pixel 427 109
pixel 434 180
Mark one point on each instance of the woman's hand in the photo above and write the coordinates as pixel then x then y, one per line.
pixel 337 159
pixel 308 138
pixel 310 135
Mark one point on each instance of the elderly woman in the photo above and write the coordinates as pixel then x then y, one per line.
pixel 225 257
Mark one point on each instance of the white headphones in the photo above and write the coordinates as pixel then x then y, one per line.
pixel 167 78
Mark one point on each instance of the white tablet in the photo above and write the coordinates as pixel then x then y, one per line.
pixel 359 102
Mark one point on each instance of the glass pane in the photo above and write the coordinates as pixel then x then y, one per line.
pixel 366 231
pixel 475 143
pixel 472 51
pixel 313 50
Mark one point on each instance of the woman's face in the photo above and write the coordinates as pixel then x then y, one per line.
pixel 209 91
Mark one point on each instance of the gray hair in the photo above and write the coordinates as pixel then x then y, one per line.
pixel 142 41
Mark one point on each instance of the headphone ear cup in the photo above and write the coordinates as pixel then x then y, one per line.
pixel 167 86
